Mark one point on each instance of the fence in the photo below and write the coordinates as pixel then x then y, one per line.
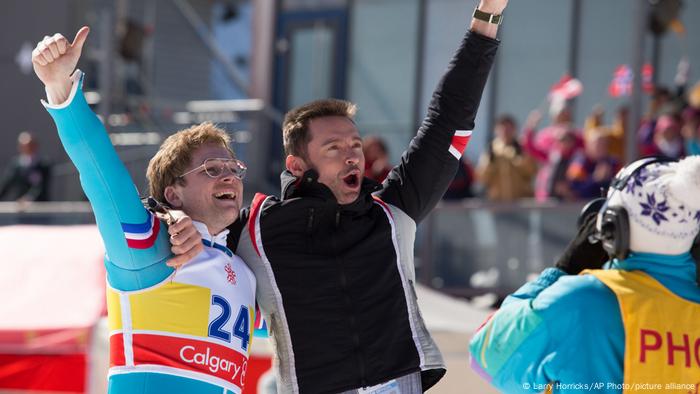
pixel 462 248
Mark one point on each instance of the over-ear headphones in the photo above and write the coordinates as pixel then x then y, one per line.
pixel 612 224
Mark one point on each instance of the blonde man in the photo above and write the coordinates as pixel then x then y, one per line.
pixel 184 331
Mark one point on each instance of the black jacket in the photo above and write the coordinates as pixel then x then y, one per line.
pixel 29 182
pixel 336 282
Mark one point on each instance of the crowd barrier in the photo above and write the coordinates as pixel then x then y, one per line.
pixel 464 248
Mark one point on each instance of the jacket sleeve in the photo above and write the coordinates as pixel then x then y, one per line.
pixel 429 164
pixel 135 241
pixel 519 349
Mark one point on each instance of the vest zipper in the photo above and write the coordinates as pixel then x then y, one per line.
pixel 310 232
pixel 310 222
pixel 348 304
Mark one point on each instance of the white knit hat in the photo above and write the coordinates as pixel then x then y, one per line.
pixel 663 204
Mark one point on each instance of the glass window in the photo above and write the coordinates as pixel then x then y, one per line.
pixel 382 69
pixel 310 64
pixel 232 27
pixel 674 46
pixel 533 55
pixel 601 50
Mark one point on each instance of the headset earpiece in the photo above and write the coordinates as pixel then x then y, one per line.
pixel 614 232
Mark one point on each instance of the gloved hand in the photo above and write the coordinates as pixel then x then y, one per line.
pixel 581 254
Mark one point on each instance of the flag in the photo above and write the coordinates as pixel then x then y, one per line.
pixel 621 84
pixel 566 89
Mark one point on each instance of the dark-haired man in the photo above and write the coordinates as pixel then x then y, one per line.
pixel 333 256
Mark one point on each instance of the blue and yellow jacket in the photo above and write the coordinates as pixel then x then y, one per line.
pixel 571 330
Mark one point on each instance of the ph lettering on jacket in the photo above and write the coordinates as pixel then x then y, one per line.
pixel 189 355
pixel 675 345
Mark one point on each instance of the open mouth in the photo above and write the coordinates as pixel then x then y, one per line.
pixel 225 196
pixel 352 180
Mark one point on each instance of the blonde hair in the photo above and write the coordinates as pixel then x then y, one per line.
pixel 295 128
pixel 174 156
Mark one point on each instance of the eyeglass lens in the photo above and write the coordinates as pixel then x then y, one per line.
pixel 216 167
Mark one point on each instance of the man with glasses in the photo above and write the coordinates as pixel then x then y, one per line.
pixel 171 331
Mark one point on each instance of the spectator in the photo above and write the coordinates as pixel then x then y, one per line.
pixel 691 130
pixel 668 141
pixel 694 96
pixel 592 169
pixel 27 176
pixel 546 138
pixel 505 170
pixel 616 131
pixel 461 186
pixel 693 144
pixel 377 164
pixel 554 147
pixel 660 99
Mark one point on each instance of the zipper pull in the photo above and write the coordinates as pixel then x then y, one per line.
pixel 337 218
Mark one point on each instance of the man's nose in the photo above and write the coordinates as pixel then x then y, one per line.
pixel 228 177
pixel 352 157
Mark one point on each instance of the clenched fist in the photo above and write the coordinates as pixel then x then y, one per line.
pixel 54 60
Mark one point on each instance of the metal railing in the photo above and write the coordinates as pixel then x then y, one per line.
pixel 464 248
pixel 475 247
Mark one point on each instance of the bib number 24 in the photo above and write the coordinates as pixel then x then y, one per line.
pixel 241 327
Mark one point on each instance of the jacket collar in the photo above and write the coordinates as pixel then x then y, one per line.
pixel 209 239
pixel 680 267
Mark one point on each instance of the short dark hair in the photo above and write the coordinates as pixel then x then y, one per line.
pixel 295 128
pixel 506 118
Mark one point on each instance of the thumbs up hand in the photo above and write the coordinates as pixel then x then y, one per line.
pixel 54 60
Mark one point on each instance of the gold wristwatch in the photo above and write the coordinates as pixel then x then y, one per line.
pixel 486 17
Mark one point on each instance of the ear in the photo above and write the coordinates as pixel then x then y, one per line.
pixel 173 196
pixel 296 165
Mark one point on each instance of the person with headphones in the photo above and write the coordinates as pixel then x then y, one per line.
pixel 625 325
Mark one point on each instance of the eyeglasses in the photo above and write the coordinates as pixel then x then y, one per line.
pixel 215 168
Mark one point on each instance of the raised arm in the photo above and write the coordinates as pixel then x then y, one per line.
pixel 429 164
pixel 135 240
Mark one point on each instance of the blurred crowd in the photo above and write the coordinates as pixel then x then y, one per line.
pixel 561 161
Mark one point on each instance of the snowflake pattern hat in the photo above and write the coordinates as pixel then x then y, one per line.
pixel 663 204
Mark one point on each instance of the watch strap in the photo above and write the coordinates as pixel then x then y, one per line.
pixel 486 17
